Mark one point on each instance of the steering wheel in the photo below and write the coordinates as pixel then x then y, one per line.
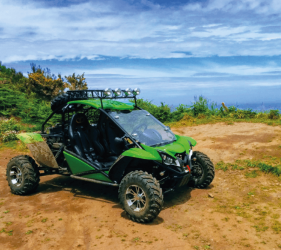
pixel 137 128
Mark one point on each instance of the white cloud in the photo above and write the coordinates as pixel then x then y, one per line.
pixel 31 31
pixel 234 6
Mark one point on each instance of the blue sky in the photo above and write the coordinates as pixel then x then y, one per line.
pixel 173 50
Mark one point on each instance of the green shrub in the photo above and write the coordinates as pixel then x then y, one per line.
pixel 9 129
pixel 261 115
pixel 162 113
pixel 273 114
pixel 9 125
pixel 200 106
pixel 16 103
pixel 222 166
pixel 180 111
pixel 9 136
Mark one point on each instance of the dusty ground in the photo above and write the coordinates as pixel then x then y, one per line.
pixel 70 214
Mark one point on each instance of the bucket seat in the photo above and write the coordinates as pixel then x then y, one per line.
pixel 85 139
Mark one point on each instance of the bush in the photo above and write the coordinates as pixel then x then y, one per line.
pixel 9 125
pixel 9 136
pixel 200 106
pixel 180 112
pixel 16 103
pixel 162 113
pixel 273 114
pixel 9 129
pixel 261 115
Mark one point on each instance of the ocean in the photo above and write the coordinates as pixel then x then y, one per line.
pixel 258 107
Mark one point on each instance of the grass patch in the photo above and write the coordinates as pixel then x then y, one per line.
pixel 276 227
pixel 8 223
pixel 17 145
pixel 273 166
pixel 275 216
pixel 222 166
pixel 44 220
pixel 10 232
pixel 252 174
pixel 260 228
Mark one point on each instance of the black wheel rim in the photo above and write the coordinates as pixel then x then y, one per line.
pixel 198 170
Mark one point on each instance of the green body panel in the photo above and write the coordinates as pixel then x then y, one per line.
pixel 30 137
pixel 184 140
pixel 152 151
pixel 179 146
pixel 107 104
pixel 77 166
pixel 142 154
pixel 172 148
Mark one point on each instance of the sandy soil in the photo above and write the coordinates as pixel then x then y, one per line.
pixel 70 214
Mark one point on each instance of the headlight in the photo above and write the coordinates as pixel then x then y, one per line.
pixel 168 160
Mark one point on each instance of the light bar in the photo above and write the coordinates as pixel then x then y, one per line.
pixel 128 92
pixel 136 91
pixel 117 92
pixel 107 92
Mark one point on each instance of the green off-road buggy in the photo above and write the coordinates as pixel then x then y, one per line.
pixel 102 140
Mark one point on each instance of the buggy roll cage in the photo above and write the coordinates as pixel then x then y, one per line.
pixel 96 94
pixel 101 94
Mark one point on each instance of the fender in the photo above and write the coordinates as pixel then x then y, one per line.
pixel 186 141
pixel 147 154
pixel 132 156
pixel 39 149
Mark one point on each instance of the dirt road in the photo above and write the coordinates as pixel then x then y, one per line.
pixel 70 214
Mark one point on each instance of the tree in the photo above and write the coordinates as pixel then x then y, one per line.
pixel 76 82
pixel 10 76
pixel 43 84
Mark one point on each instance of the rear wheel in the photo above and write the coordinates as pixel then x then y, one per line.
pixel 140 196
pixel 22 175
pixel 203 170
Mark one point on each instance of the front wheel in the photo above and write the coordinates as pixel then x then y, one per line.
pixel 140 196
pixel 203 170
pixel 22 175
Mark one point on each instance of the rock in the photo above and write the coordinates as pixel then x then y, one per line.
pixel 210 195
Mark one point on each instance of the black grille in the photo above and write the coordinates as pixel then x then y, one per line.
pixel 184 181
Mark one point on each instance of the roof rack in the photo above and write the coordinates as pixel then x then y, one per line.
pixel 105 94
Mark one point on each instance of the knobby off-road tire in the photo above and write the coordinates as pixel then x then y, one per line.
pixel 22 175
pixel 146 190
pixel 61 100
pixel 205 177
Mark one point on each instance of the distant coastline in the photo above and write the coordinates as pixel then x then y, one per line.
pixel 258 107
pixel 261 107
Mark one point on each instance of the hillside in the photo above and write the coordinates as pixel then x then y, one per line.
pixel 240 210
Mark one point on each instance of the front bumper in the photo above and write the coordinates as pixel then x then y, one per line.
pixel 182 180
